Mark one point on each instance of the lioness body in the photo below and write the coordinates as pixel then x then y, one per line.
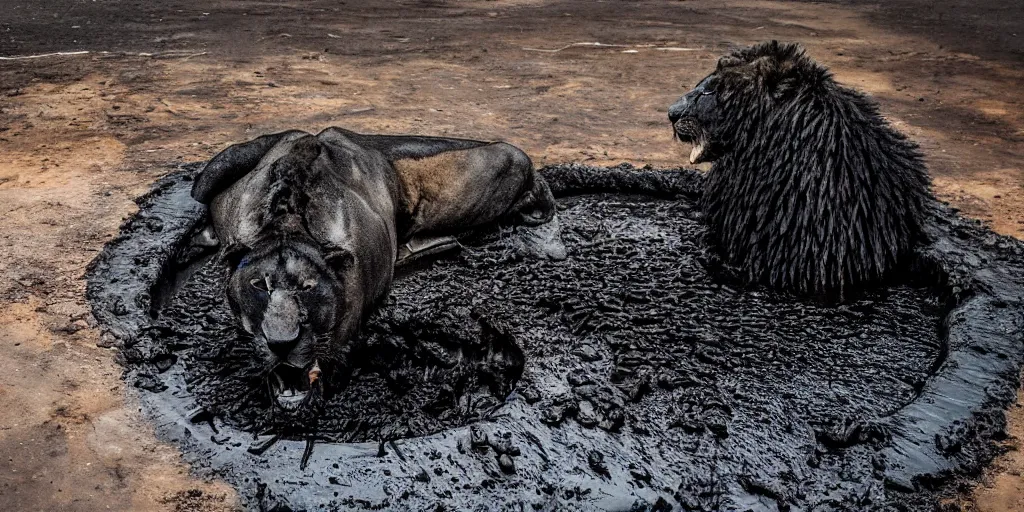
pixel 312 225
pixel 426 185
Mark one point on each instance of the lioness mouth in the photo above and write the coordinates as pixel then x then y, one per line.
pixel 291 385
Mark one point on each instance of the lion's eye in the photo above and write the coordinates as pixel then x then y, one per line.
pixel 260 284
pixel 706 93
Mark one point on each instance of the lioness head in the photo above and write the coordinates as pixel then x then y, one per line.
pixel 290 298
pixel 742 92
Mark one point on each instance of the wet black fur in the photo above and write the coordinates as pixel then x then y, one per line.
pixel 811 190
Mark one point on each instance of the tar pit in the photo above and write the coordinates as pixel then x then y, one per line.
pixel 630 376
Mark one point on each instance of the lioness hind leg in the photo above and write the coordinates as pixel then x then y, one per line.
pixel 455 185
pixel 535 213
pixel 543 240
pixel 537 204
pixel 418 247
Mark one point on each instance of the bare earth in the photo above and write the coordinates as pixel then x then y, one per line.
pixel 176 81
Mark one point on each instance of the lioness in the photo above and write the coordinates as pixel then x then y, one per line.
pixel 311 228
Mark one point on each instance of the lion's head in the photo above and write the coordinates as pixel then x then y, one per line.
pixel 745 88
pixel 810 190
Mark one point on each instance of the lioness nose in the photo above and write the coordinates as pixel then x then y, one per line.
pixel 282 348
pixel 281 323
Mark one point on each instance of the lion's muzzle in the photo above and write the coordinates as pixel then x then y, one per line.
pixel 678 110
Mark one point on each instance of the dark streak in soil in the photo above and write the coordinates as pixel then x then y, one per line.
pixel 624 378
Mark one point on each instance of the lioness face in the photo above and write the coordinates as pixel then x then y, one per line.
pixel 695 120
pixel 288 299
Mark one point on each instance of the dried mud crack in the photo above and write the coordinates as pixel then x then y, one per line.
pixel 627 377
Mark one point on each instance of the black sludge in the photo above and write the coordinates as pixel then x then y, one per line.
pixel 422 369
pixel 623 378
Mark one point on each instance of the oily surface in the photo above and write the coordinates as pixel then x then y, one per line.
pixel 629 355
pixel 83 135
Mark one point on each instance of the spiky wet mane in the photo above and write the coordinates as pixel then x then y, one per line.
pixel 818 193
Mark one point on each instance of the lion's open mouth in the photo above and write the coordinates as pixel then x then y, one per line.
pixel 292 386
pixel 686 130
pixel 697 153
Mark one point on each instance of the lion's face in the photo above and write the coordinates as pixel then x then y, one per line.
pixel 745 90
pixel 289 300
pixel 695 119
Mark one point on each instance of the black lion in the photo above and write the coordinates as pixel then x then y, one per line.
pixel 811 191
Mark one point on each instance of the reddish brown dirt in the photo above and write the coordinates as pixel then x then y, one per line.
pixel 81 135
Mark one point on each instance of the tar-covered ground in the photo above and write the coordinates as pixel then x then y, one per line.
pixel 648 340
pixel 635 364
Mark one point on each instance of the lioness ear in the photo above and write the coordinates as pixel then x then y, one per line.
pixel 233 256
pixel 339 260
pixel 232 164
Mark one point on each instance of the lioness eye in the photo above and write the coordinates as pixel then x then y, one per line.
pixel 260 284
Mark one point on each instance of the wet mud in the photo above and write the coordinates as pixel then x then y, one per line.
pixel 631 376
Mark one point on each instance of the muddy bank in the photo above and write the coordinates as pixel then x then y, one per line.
pixel 626 377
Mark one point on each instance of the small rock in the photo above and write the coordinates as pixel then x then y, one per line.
pixel 586 416
pixel 579 379
pixel 553 415
pixel 165 362
pixel 261 445
pixel 595 460
pixel 106 340
pixel 718 428
pixel 530 394
pixel 72 327
pixel 199 415
pixel 641 474
pixel 504 446
pixel 507 465
pixel 477 437
pixel 155 225
pixel 587 353
pixel 613 421
pixel 661 505
pixel 149 383
pixel 422 476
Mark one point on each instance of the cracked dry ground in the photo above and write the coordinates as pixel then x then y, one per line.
pixel 168 82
